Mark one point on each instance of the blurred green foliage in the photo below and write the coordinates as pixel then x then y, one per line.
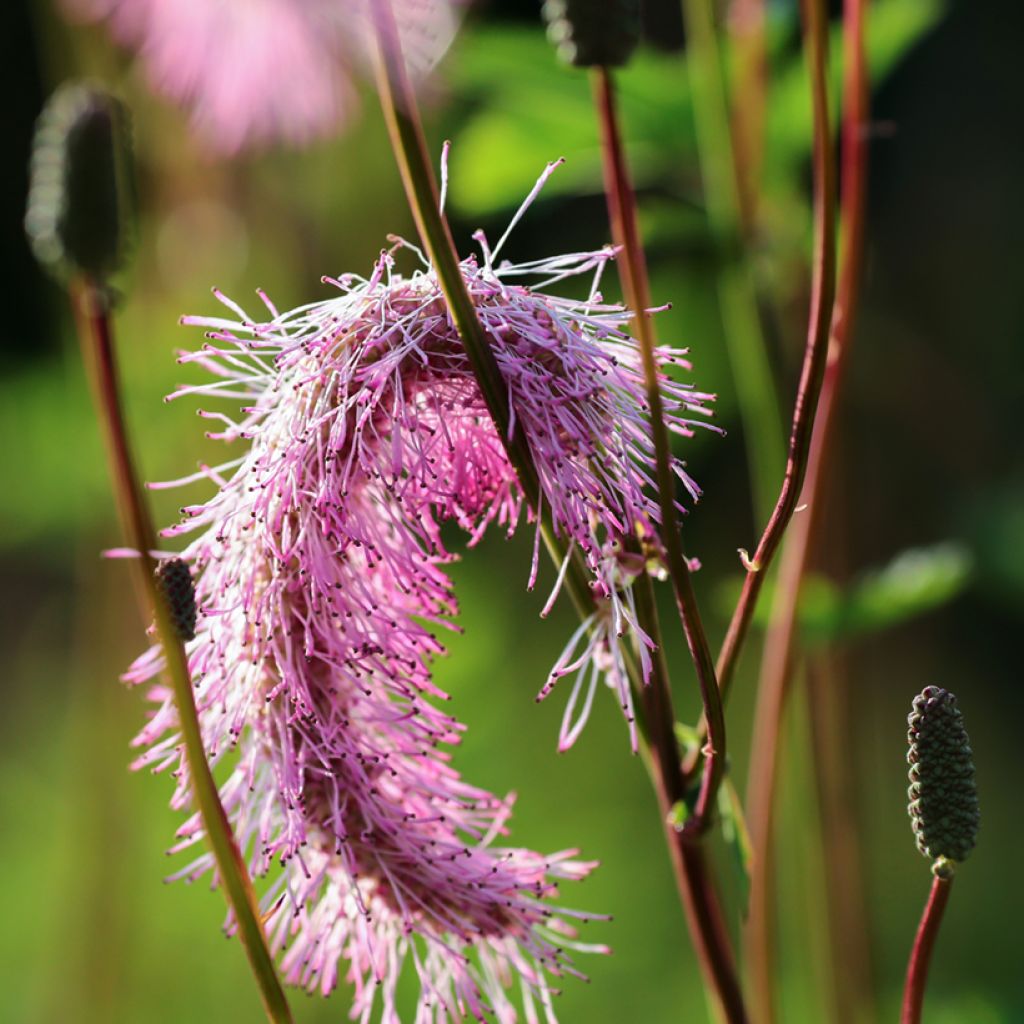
pixel 914 583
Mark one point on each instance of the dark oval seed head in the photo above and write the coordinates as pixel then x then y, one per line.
pixel 942 798
pixel 174 581
pixel 80 191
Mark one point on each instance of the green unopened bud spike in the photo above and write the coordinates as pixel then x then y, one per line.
pixel 589 33
pixel 943 799
pixel 80 194
pixel 174 581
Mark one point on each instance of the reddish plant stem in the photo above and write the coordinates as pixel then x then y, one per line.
pixel 838 789
pixel 622 211
pixel 693 876
pixel 96 334
pixel 778 657
pixel 921 953
pixel 402 117
pixel 815 354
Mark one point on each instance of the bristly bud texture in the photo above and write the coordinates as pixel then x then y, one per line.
pixel 80 191
pixel 321 589
pixel 943 797
pixel 589 34
pixel 174 581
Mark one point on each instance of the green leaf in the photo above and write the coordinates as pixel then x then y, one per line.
pixel 528 110
pixel 678 815
pixel 737 836
pixel 913 583
pixel 687 736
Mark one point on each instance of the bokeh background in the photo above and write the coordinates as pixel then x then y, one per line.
pixel 921 574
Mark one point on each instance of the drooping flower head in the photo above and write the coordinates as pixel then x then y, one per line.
pixel 259 71
pixel 321 591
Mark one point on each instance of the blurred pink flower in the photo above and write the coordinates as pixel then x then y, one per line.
pixel 258 71
pixel 321 588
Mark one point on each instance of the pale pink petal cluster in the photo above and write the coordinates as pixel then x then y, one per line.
pixel 321 585
pixel 254 72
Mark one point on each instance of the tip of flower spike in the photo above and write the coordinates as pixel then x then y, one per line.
pixel 80 191
pixel 588 34
pixel 943 798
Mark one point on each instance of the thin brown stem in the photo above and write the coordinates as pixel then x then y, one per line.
pixel 921 953
pixel 694 879
pixel 778 657
pixel 838 790
pixel 95 331
pixel 622 210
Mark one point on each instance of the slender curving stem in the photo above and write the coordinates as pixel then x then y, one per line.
pixel 402 117
pixel 815 353
pixel 622 207
pixel 724 177
pixel 96 335
pixel 693 875
pixel 778 658
pixel 921 953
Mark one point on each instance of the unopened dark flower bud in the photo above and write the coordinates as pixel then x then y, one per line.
pixel 80 195
pixel 174 581
pixel 591 33
pixel 943 799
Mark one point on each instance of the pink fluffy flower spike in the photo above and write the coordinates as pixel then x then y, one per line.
pixel 321 590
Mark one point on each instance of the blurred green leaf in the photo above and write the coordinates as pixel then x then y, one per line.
pixel 514 127
pixel 678 815
pixel 737 837
pixel 512 77
pixel 913 583
pixel 686 736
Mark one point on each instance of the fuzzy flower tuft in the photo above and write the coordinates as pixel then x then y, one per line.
pixel 321 590
pixel 254 72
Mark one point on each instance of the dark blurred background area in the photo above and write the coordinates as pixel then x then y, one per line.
pixel 922 545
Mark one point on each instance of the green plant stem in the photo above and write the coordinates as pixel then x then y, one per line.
pixel 921 953
pixel 779 651
pixel 401 115
pixel 815 353
pixel 693 875
pixel 748 109
pixel 95 331
pixel 622 208
pixel 737 297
